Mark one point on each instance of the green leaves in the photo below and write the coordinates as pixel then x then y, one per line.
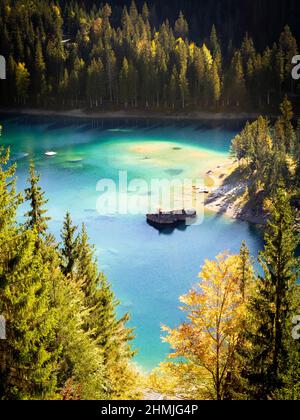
pixel 35 196
pixel 270 368
pixel 71 56
pixel 269 154
pixel 28 356
pixel 9 198
pixel 64 339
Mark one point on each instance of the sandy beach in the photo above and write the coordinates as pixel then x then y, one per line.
pixel 224 198
pixel 227 195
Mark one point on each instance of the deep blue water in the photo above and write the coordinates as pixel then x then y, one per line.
pixel 148 269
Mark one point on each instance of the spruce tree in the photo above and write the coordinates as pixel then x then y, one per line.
pixel 81 358
pixel 246 271
pixel 69 250
pixel 296 154
pixel 181 27
pixel 173 88
pixel 109 332
pixel 86 266
pixel 63 337
pixel 289 48
pixel 274 304
pixel 216 49
pixel 285 121
pixel 38 63
pixel 238 88
pixel 9 198
pixel 29 354
pixel 215 84
pixel 100 300
pixel 34 194
pixel 22 83
pixel 133 13
pixel 124 82
pixel 114 338
pixel 39 81
pixel 145 12
pixel 236 387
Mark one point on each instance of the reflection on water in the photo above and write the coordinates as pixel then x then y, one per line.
pixel 148 268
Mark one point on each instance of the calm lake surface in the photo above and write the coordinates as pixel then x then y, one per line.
pixel 148 269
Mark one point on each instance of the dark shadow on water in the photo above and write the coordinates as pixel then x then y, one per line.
pixel 147 124
pixel 231 124
pixel 174 172
pixel 168 230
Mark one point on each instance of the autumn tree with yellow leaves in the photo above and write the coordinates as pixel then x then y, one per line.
pixel 209 341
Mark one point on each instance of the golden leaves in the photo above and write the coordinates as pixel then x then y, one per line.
pixel 216 312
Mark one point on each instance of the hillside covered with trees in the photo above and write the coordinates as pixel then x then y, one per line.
pixel 84 55
pixel 268 155
pixel 238 339
pixel 237 342
pixel 63 338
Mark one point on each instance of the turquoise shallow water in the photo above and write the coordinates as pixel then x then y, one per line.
pixel 149 270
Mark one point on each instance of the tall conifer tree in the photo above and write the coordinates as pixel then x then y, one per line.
pixel 274 305
pixel 36 198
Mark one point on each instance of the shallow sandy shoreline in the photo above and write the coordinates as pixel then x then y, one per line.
pixel 217 200
pixel 233 212
pixel 224 198
pixel 78 113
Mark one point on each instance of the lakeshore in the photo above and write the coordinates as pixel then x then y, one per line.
pixel 136 114
pixel 131 254
pixel 227 195
pixel 224 196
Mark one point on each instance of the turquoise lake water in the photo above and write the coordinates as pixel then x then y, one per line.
pixel 148 269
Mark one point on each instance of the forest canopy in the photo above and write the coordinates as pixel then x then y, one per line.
pixel 75 54
pixel 64 336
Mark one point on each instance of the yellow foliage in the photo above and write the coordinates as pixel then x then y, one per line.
pixel 180 381
pixel 162 381
pixel 97 25
pixel 21 67
pixel 207 56
pixel 216 312
pixel 130 385
pixel 192 49
pixel 267 204
pixel 140 45
pixel 83 21
pixel 56 10
pixel 269 142
pixel 179 41
pixel 153 48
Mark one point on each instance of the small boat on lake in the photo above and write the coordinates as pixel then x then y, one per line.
pixel 170 218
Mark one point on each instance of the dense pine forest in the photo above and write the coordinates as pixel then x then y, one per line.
pixel 239 340
pixel 72 54
pixel 268 154
pixel 64 341
pixel 236 342
pixel 63 338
